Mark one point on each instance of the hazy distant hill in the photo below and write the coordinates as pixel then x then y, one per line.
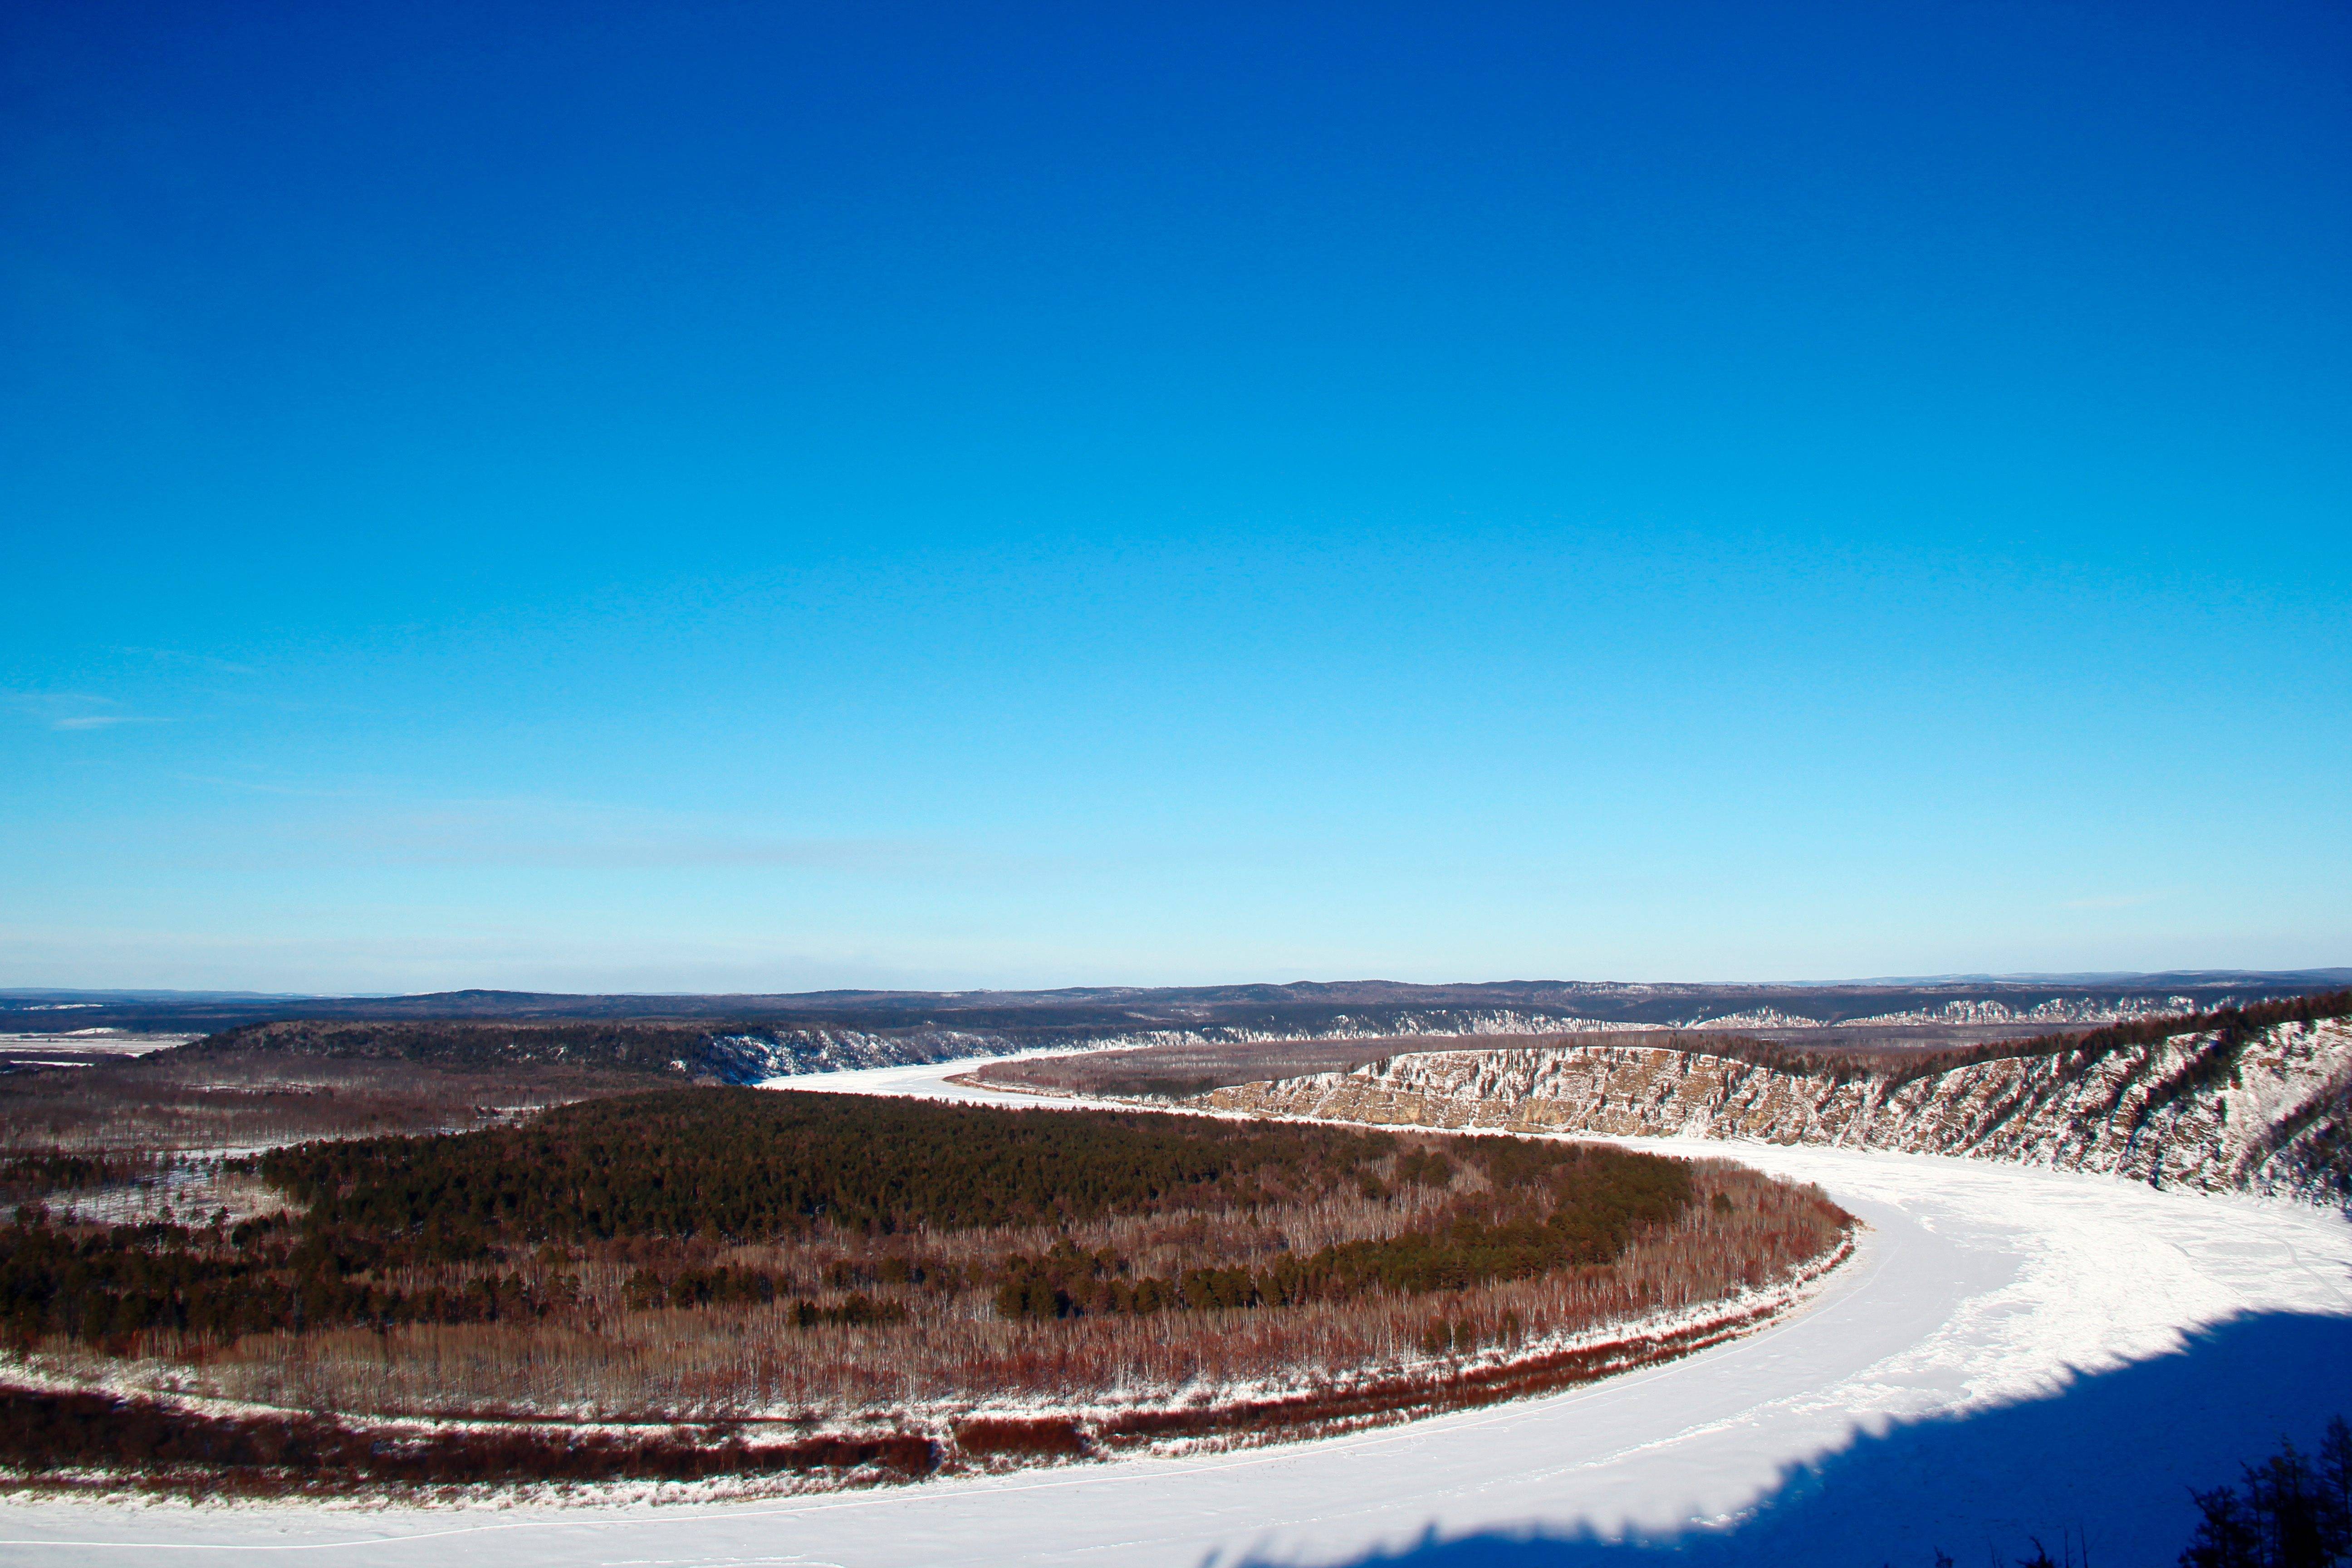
pixel 745 1038
pixel 1305 1008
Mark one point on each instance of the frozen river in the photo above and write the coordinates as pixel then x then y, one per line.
pixel 2011 1354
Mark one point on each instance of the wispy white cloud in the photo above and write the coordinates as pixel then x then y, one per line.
pixel 104 721
pixel 74 710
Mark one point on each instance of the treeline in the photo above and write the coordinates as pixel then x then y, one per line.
pixel 2289 1512
pixel 648 1048
pixel 678 1329
pixel 1579 1211
pixel 748 1163
pixel 2234 1028
pixel 726 1286
pixel 127 1114
pixel 42 1432
pixel 104 1287
pixel 49 1171
pixel 472 1228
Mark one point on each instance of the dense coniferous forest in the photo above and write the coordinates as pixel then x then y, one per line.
pixel 724 1255
pixel 641 1049
pixel 742 1165
pixel 385 1218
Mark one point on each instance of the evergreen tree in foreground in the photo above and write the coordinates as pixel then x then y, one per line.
pixel 2289 1512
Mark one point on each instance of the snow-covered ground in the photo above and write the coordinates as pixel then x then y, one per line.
pixel 2012 1354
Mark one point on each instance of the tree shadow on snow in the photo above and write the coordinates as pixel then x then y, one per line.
pixel 2100 1472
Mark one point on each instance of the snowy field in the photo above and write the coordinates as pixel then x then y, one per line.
pixel 2012 1354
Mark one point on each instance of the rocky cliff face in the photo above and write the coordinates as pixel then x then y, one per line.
pixel 2206 1111
pixel 753 1056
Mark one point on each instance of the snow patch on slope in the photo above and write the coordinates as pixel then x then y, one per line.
pixel 2180 1113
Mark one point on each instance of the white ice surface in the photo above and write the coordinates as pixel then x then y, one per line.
pixel 1977 1285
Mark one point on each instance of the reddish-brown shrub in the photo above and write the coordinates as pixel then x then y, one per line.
pixel 1045 1437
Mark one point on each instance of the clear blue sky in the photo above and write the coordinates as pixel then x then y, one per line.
pixel 712 496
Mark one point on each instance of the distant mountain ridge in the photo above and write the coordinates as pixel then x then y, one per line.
pixel 1305 1009
pixel 747 1039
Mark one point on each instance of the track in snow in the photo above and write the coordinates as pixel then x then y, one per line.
pixel 2012 1354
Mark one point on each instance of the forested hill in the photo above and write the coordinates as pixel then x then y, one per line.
pixel 1303 1009
pixel 827 1032
pixel 744 1053
pixel 2256 1098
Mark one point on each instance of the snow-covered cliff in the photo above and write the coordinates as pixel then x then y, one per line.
pixel 2264 1112
pixel 755 1055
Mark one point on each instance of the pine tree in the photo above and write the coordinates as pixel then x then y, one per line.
pixel 2290 1513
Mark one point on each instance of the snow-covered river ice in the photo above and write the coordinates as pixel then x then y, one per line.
pixel 2012 1354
